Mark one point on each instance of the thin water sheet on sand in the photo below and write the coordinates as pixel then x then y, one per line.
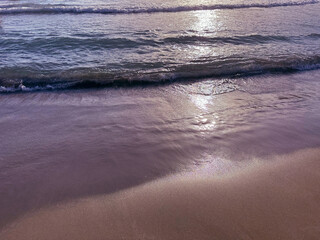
pixel 62 146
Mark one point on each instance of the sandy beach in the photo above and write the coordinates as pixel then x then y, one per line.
pixel 274 200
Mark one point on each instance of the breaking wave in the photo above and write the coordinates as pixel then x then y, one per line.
pixel 25 80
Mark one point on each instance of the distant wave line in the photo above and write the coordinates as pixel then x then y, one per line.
pixel 59 43
pixel 51 9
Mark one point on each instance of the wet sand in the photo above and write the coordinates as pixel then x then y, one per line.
pixel 278 199
pixel 59 147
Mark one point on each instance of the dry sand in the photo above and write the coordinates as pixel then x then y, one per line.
pixel 275 200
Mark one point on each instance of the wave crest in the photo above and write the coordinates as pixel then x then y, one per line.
pixel 24 80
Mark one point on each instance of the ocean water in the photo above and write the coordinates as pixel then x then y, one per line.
pixel 80 44
pixel 102 96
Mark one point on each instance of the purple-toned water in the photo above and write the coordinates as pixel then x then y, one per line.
pixel 101 97
pixel 81 44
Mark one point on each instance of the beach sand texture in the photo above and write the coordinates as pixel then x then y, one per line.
pixel 274 200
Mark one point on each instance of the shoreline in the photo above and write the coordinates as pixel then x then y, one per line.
pixel 73 145
pixel 162 120
pixel 267 200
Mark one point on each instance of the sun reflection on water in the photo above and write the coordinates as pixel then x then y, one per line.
pixel 206 22
pixel 204 121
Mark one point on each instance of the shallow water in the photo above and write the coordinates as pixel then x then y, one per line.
pixel 84 110
pixel 58 146
pixel 51 45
